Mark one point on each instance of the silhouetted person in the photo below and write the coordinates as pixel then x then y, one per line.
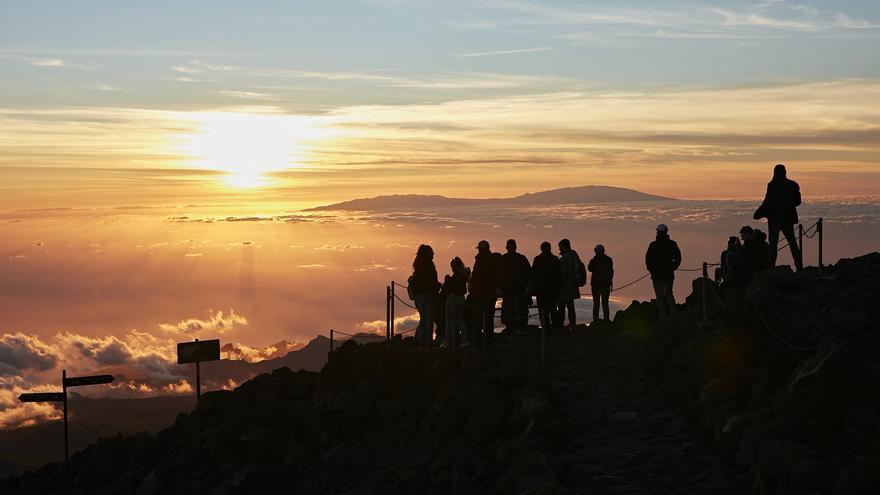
pixel 546 283
pixel 662 259
pixel 484 292
pixel 455 287
pixel 571 265
pixel 723 269
pixel 602 269
pixel 424 285
pixel 780 209
pixel 514 277
pixel 738 265
pixel 750 255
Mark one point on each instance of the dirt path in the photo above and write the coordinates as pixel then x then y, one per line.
pixel 627 442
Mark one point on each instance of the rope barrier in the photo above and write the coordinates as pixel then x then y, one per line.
pixel 773 332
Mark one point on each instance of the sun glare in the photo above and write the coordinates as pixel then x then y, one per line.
pixel 248 146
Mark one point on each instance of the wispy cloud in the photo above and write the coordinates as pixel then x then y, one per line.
pixel 505 52
pixel 757 20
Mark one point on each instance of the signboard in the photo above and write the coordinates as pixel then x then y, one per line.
pixel 42 397
pixel 79 381
pixel 200 350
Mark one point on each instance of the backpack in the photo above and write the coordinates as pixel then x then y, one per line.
pixel 581 274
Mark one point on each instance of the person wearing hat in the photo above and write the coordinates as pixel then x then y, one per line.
pixel 601 268
pixel 484 293
pixel 780 209
pixel 662 259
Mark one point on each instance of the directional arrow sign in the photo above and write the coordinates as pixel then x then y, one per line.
pixel 42 397
pixel 87 380
pixel 200 350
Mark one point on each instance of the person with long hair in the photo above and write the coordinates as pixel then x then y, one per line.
pixel 455 287
pixel 425 286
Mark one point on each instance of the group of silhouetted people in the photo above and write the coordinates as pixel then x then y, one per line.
pixel 752 252
pixel 463 306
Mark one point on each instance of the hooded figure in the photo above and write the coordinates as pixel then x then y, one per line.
pixel 780 209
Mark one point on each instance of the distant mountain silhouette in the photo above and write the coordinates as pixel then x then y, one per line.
pixel 565 195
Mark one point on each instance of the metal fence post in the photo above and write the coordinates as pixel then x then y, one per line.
pixel 388 315
pixel 331 340
pixel 392 309
pixel 820 229
pixel 66 441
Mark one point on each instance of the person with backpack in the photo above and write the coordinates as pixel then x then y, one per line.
pixel 514 277
pixel 455 286
pixel 602 269
pixel 574 276
pixel 424 287
pixel 546 283
pixel 662 259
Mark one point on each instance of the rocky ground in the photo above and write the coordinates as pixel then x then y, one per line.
pixel 639 407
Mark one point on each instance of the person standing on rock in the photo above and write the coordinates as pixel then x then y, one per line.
pixel 546 282
pixel 425 286
pixel 662 259
pixel 455 286
pixel 484 292
pixel 602 269
pixel 514 276
pixel 573 278
pixel 780 209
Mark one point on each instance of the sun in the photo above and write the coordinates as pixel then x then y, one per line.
pixel 247 146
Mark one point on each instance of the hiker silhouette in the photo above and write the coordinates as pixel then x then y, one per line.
pixel 602 269
pixel 483 294
pixel 662 259
pixel 424 286
pixel 514 277
pixel 546 284
pixel 455 287
pixel 780 209
pixel 571 265
pixel 723 270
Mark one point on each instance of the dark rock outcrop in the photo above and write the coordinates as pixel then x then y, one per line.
pixel 784 377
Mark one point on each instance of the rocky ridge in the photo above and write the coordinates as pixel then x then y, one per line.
pixel 785 402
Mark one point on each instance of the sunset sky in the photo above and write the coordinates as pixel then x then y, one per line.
pixel 154 156
pixel 315 101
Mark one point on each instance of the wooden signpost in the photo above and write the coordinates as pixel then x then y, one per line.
pixel 196 352
pixel 66 382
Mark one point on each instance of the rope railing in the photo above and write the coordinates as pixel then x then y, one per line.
pixel 775 333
